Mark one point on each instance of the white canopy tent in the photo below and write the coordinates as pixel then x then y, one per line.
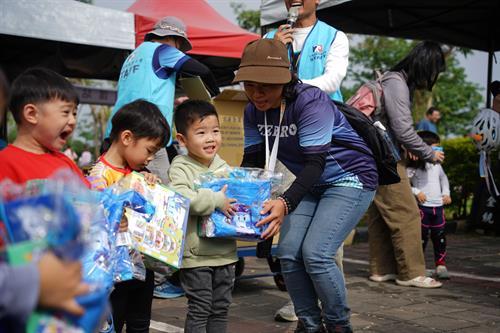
pixel 73 38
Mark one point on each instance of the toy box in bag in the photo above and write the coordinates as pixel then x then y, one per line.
pixel 250 187
pixel 162 235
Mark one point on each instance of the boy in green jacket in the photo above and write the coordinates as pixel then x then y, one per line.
pixel 207 272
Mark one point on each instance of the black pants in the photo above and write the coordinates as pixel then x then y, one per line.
pixel 433 223
pixel 208 290
pixel 131 304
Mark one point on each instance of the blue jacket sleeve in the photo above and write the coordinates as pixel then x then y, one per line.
pixel 19 289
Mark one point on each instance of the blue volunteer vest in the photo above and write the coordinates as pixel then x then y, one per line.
pixel 138 79
pixel 314 52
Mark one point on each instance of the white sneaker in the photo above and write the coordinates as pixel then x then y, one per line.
pixel 286 313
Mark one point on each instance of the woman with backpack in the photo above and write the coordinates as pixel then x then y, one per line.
pixel 295 123
pixel 394 221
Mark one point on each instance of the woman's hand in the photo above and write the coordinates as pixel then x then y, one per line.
pixel 438 157
pixel 284 34
pixel 276 210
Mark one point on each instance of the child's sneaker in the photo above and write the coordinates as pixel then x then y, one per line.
pixel 442 272
pixel 168 290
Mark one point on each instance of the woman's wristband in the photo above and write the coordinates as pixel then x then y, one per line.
pixel 285 204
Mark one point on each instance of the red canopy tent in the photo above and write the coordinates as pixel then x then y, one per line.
pixel 217 42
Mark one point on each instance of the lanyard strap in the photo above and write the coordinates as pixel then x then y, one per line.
pixel 272 157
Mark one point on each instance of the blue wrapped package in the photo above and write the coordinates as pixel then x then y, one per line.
pixel 251 188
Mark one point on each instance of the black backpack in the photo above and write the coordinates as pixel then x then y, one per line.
pixel 377 139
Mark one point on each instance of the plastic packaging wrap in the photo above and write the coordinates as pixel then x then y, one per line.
pixel 55 214
pixel 251 188
pixel 159 235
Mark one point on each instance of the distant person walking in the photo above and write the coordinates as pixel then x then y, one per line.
pixel 429 123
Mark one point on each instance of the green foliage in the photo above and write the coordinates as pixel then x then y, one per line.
pixel 247 19
pixel 462 168
pixel 453 94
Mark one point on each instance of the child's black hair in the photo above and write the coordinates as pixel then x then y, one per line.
pixel 190 111
pixel 429 138
pixel 144 119
pixel 39 85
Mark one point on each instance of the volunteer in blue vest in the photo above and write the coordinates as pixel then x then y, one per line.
pixel 150 73
pixel 320 56
pixel 318 52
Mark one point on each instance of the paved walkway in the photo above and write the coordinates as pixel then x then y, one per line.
pixel 468 303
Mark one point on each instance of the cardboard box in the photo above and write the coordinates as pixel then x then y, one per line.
pixel 162 237
pixel 230 105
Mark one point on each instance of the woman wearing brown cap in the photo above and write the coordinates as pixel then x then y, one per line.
pixel 334 185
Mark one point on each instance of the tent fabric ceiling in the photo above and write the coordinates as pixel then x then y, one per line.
pixel 466 23
pixel 210 33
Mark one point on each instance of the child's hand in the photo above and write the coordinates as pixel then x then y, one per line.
pixel 446 200
pixel 150 178
pixel 123 224
pixel 421 197
pixel 227 209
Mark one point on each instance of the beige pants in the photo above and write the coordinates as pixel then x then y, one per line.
pixel 394 231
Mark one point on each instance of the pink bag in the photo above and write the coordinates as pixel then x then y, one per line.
pixel 368 98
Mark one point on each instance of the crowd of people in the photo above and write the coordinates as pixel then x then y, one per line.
pixel 290 78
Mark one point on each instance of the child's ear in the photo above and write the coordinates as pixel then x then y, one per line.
pixel 126 137
pixel 30 114
pixel 181 139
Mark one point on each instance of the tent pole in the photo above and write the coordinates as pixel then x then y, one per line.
pixel 490 77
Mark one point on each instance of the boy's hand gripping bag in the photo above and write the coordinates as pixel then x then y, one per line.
pixel 250 187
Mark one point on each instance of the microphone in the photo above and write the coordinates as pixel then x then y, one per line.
pixel 293 14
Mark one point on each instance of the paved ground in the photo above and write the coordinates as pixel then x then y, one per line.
pixel 468 303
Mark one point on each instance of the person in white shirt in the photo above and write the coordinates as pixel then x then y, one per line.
pixel 319 52
pixel 432 191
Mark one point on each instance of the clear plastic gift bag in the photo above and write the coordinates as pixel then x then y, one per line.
pixel 250 187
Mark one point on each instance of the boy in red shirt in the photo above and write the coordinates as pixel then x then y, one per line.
pixel 44 105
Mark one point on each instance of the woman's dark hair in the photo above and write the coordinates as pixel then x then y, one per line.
pixel 39 85
pixel 289 91
pixel 143 119
pixel 422 65
pixel 429 138
pixel 190 111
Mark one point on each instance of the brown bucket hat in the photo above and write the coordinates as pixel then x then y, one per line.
pixel 264 61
